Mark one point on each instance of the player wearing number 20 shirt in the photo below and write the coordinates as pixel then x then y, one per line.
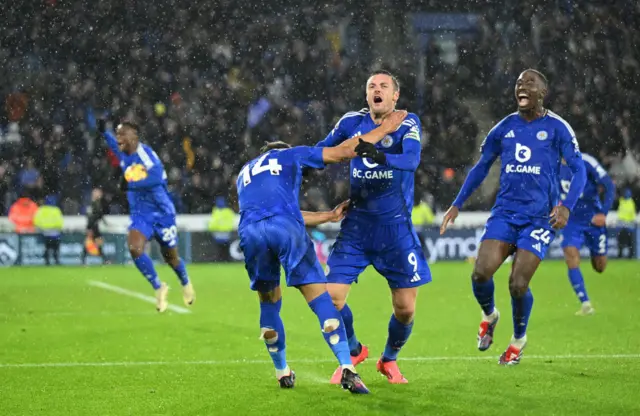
pixel 531 144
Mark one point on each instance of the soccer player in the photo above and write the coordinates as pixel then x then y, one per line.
pixel 377 230
pixel 272 234
pixel 530 143
pixel 587 224
pixel 152 212
pixel 94 236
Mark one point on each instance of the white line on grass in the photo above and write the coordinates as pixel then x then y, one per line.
pixel 137 295
pixel 312 361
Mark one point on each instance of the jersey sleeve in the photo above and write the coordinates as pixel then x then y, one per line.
pixel 570 151
pixel 595 170
pixel 409 159
pixel 307 156
pixel 112 142
pixel 489 152
pixel 342 129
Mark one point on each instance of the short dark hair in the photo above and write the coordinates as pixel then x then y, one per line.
pixel 131 125
pixel 540 75
pixel 396 83
pixel 274 145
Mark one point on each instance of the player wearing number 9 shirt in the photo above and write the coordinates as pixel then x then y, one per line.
pixel 377 230
pixel 152 212
pixel 273 235
pixel 531 144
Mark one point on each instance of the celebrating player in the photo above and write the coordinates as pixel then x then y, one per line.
pixel 587 224
pixel 530 143
pixel 152 212
pixel 272 234
pixel 377 229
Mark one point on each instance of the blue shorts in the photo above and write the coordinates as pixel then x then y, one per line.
pixel 524 232
pixel 394 250
pixel 576 235
pixel 162 229
pixel 274 242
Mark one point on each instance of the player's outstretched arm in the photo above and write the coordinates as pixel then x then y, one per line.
pixel 346 150
pixel 112 142
pixel 311 219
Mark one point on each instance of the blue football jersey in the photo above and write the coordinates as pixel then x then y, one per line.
pixel 531 154
pixel 269 185
pixel 379 193
pixel 146 178
pixel 589 203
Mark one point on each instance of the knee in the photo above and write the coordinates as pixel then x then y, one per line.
pixel 172 259
pixel 136 250
pixel 268 335
pixel 481 273
pixel 599 265
pixel 404 313
pixel 517 286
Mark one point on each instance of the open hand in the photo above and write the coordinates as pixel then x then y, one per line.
pixel 449 217
pixel 393 121
pixel 559 217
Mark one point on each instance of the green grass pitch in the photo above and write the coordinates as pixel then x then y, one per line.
pixel 70 348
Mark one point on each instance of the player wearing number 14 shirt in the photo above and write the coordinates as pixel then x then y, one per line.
pixel 153 215
pixel 531 144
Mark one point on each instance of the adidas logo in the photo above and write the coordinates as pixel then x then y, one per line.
pixel 510 135
pixel 415 278
pixel 538 247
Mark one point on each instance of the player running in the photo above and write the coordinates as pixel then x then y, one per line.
pixel 587 225
pixel 152 212
pixel 377 229
pixel 272 234
pixel 530 143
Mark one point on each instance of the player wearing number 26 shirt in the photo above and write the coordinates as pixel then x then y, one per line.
pixel 531 144
pixel 152 212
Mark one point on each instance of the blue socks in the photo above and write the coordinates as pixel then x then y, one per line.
pixel 181 272
pixel 145 265
pixel 328 315
pixel 398 336
pixel 347 318
pixel 577 281
pixel 484 294
pixel 270 318
pixel 521 309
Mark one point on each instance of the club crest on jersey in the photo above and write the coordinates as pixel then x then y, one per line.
pixel 542 135
pixel 135 173
pixel 387 141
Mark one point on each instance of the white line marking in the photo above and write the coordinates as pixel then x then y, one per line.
pixel 313 361
pixel 127 292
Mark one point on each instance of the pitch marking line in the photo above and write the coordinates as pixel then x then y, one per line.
pixel 311 361
pixel 137 295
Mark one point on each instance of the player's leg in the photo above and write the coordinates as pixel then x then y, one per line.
pixel 166 233
pixel 399 257
pixel 139 233
pixel 497 244
pixel 332 327
pixel 99 243
pixel 47 251
pixel 298 258
pixel 573 238
pixel 345 263
pixel 263 268
pixel 172 258
pixel 55 242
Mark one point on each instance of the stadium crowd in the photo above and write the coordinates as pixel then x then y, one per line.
pixel 208 85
